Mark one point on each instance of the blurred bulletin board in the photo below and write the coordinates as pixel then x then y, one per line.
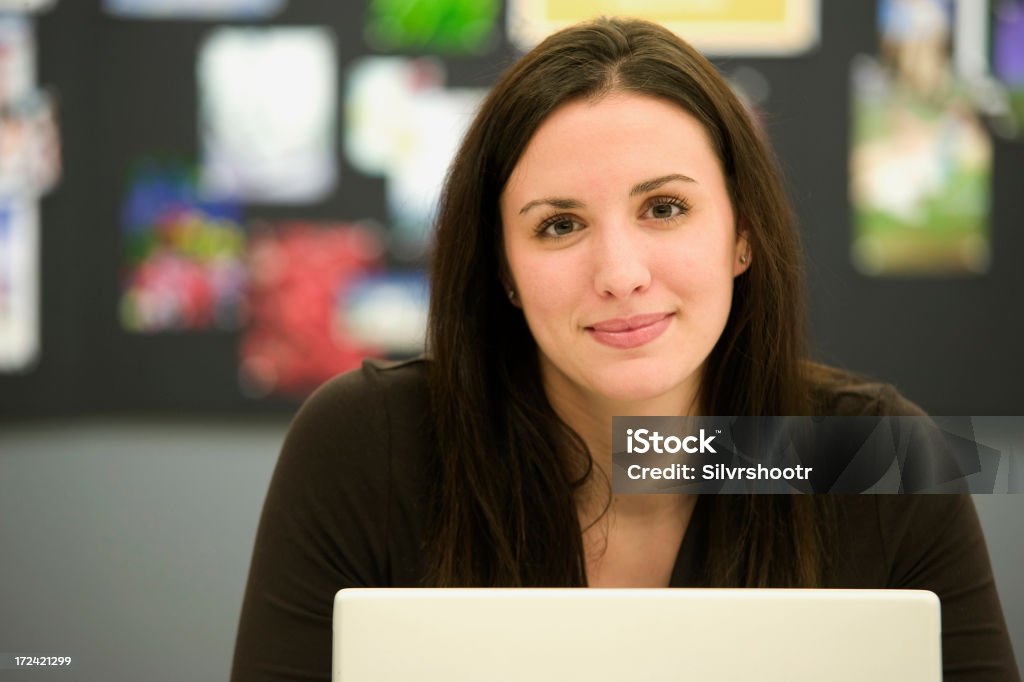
pixel 186 267
pixel 131 108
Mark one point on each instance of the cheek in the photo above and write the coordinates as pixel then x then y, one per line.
pixel 551 288
pixel 696 269
pixel 549 292
pixel 539 274
pixel 702 282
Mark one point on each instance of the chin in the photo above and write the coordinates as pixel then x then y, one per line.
pixel 637 384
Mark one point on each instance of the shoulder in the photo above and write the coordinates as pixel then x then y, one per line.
pixel 352 460
pixel 354 422
pixel 365 388
pixel 365 404
pixel 898 540
pixel 341 511
pixel 913 453
pixel 836 392
pixel 935 543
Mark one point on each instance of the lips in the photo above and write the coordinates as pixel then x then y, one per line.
pixel 625 324
pixel 630 332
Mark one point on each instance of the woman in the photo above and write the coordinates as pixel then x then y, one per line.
pixel 613 239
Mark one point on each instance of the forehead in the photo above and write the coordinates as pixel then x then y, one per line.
pixel 621 135
pixel 595 145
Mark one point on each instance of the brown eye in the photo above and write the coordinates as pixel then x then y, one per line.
pixel 666 210
pixel 562 227
pixel 558 227
pixel 663 210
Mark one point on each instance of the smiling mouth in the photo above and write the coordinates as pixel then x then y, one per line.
pixel 630 332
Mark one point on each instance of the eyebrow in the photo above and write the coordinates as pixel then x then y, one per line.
pixel 640 188
pixel 553 201
pixel 649 185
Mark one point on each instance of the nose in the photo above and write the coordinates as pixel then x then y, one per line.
pixel 621 262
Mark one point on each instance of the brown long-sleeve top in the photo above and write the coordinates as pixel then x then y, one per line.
pixel 345 509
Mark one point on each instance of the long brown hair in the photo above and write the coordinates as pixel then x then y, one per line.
pixel 504 512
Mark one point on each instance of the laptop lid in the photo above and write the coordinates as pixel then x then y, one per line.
pixel 615 635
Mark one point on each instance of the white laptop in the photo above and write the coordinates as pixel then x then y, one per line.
pixel 636 635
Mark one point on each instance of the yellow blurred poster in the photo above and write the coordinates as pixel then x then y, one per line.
pixel 717 27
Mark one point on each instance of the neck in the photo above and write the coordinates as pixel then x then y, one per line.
pixel 590 416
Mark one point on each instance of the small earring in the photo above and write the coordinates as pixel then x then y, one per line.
pixel 512 295
pixel 743 259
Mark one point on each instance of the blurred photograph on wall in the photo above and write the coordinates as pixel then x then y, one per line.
pixel 267 114
pixel 17 58
pixel 19 284
pixel 183 256
pixel 30 157
pixel 435 26
pixel 29 167
pixel 296 335
pixel 26 6
pixel 1008 55
pixel 378 93
pixel 739 27
pixel 194 9
pixel 437 122
pixel 402 123
pixel 920 158
pixel 30 149
pixel 388 310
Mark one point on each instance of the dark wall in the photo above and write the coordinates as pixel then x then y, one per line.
pixel 127 89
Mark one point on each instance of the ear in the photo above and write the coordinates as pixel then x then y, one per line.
pixel 507 285
pixel 742 254
pixel 505 280
pixel 513 296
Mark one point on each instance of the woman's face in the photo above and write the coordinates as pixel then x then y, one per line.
pixel 622 248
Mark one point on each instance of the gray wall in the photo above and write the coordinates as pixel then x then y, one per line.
pixel 126 544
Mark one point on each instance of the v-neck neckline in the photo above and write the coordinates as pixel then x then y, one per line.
pixel 689 570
